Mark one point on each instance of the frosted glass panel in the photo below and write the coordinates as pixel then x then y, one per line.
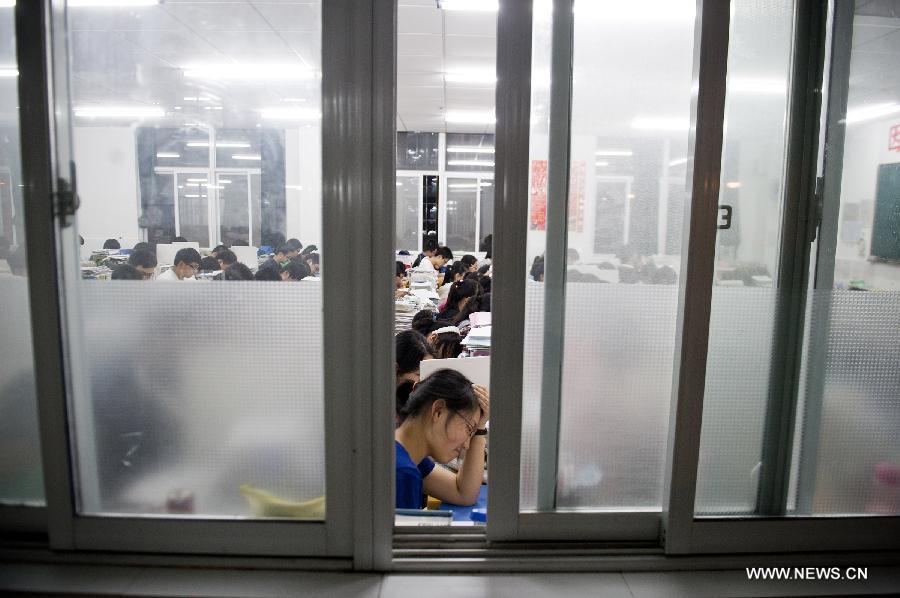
pixel 734 403
pixel 852 427
pixel 197 390
pixel 21 478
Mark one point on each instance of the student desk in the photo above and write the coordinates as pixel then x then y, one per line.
pixel 461 513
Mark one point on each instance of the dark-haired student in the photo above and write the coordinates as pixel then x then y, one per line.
pixel 237 271
pixel 111 244
pixel 428 250
pixel 226 257
pixel 268 274
pixel 209 264
pixel 144 261
pixel 127 272
pixel 187 262
pixel 444 415
pixel 312 260
pixel 295 270
pixel 283 254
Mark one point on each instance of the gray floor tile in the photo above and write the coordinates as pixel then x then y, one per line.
pixel 254 584
pixel 591 585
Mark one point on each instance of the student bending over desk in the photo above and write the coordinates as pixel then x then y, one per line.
pixel 443 416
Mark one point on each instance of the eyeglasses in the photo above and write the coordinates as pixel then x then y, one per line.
pixel 471 427
pixel 195 267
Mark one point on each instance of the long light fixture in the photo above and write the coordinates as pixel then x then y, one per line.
pixel 601 163
pixel 467 149
pixel 679 162
pixel 168 155
pixel 471 77
pixel 218 144
pixel 308 114
pixel 470 117
pixel 260 71
pixel 246 157
pixel 470 5
pixel 119 112
pixel 8 71
pixel 654 123
pixel 614 153
pixel 858 115
pixel 111 3
pixel 470 163
pixel 468 185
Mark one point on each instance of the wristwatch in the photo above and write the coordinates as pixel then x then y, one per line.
pixel 481 432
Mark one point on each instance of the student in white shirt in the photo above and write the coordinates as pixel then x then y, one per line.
pixel 187 262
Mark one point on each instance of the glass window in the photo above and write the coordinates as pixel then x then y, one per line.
pixel 417 150
pixel 847 459
pixel 630 116
pixel 462 197
pixel 469 152
pixel 201 399
pixel 21 477
pixel 409 202
pixel 486 208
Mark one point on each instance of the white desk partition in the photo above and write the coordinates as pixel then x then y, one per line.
pixel 247 256
pixel 476 369
pixel 165 252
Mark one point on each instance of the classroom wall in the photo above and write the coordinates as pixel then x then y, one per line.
pixel 866 147
pixel 107 185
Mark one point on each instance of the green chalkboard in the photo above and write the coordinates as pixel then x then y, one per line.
pixel 886 222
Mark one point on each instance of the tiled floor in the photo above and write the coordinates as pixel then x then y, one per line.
pixel 18 579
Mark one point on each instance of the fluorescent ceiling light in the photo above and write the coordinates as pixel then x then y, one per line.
pixel 678 162
pixel 613 153
pixel 259 71
pixel 470 5
pixel 652 123
pixel 601 163
pixel 119 112
pixel 733 184
pixel 291 113
pixel 484 76
pixel 167 155
pixel 463 186
pixel 294 187
pixel 470 163
pixel 858 115
pixel 224 181
pixel 757 86
pixel 191 195
pixel 197 144
pixel 112 3
pixel 232 144
pixel 465 149
pixel 203 180
pixel 471 117
pixel 9 71
pixel 246 157
pixel 214 186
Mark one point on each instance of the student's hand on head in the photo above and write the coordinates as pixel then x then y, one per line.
pixel 481 393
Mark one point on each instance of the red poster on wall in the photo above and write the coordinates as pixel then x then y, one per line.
pixel 538 216
pixel 894 139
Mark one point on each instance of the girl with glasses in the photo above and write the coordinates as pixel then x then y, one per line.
pixel 444 415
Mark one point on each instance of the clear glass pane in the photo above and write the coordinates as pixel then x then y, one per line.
pixel 467 152
pixel 743 303
pixel 193 208
pixel 847 458
pixel 461 201
pixel 234 207
pixel 192 401
pixel 409 201
pixel 21 476
pixel 486 208
pixel 416 150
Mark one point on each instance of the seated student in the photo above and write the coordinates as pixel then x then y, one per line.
pixel 294 244
pixel 225 257
pixel 267 274
pixel 411 349
pixel 237 271
pixel 294 270
pixel 444 416
pixel 142 246
pixel 144 261
pixel 111 244
pixel 461 301
pixel 537 269
pixel 215 252
pixel 187 262
pixel 428 250
pixel 399 276
pixel 127 272
pixel 312 260
pixel 487 246
pixel 283 254
pixel 424 323
pixel 209 264
pixel 308 250
pixel 440 258
pixel 457 272
pixel 446 342
pixel 471 262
